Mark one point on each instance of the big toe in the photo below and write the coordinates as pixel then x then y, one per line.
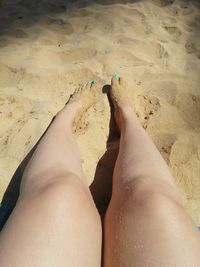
pixel 115 80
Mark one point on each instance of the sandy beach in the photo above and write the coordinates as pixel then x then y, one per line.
pixel 48 48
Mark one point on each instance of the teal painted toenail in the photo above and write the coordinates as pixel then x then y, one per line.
pixel 116 76
pixel 94 82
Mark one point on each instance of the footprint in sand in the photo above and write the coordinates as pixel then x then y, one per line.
pixel 146 51
pixel 187 10
pixel 135 15
pixel 20 136
pixel 161 51
pixel 163 3
pixel 14 105
pixel 50 58
pixel 79 54
pixel 133 21
pixel 191 67
pixel 104 25
pixel 122 58
pixel 10 76
pixel 167 90
pixel 174 32
pixel 171 29
pixel 194 24
pixel 191 48
pixel 53 38
pixel 58 25
pixel 189 108
pixel 136 20
pixel 148 106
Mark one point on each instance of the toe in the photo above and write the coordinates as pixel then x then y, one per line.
pixel 94 88
pixel 93 84
pixel 76 90
pixel 122 82
pixel 88 86
pixel 79 89
pixel 115 80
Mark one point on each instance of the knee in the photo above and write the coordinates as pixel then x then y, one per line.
pixel 148 194
pixel 67 196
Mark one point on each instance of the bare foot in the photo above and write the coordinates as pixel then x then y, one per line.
pixel 88 94
pixel 121 97
pixel 82 99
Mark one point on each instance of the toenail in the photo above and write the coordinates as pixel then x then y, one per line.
pixel 116 76
pixel 94 82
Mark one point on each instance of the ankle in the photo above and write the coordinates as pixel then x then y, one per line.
pixel 126 113
pixel 62 124
pixel 66 116
pixel 128 117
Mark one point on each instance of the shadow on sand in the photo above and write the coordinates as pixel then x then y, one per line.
pixel 101 188
pixel 17 15
pixel 12 192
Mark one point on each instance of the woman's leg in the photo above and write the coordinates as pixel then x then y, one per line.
pixel 55 222
pixel 145 224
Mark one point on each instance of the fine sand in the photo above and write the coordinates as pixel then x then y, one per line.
pixel 48 48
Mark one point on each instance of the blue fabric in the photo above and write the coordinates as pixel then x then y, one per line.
pixel 198 227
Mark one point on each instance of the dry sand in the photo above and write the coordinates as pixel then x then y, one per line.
pixel 48 48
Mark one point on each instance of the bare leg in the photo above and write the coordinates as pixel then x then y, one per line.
pixel 145 224
pixel 55 222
